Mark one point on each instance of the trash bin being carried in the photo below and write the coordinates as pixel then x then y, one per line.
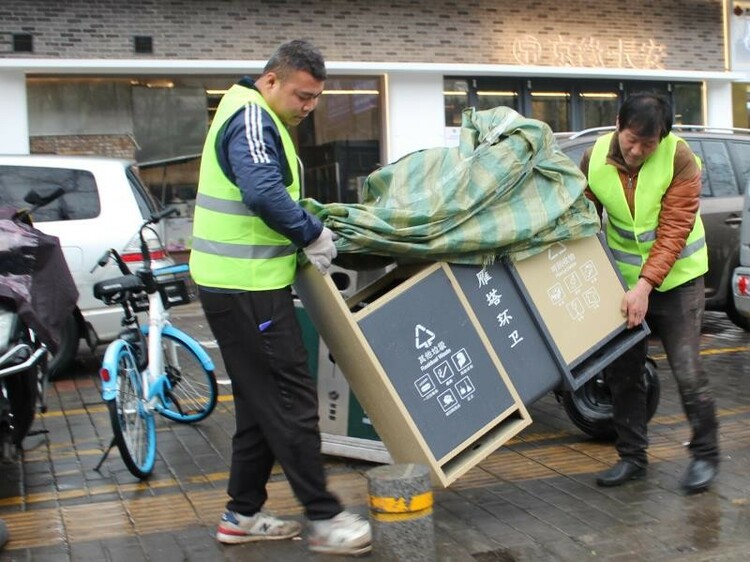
pixel 502 292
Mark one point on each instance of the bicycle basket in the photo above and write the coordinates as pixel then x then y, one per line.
pixel 176 289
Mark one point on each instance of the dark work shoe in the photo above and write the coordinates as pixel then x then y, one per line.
pixel 622 472
pixel 699 475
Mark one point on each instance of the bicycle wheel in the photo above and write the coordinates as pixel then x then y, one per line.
pixel 194 392
pixel 132 422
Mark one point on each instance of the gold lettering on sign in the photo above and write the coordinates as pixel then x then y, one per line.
pixel 589 52
pixel 527 50
pixel 653 54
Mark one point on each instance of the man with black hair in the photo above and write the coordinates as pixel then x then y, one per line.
pixel 649 182
pixel 247 228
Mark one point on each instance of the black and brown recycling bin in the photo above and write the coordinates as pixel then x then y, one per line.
pixel 444 358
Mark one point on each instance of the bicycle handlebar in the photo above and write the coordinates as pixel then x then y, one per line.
pixel 154 219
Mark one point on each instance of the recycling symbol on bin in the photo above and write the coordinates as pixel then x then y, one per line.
pixel 423 337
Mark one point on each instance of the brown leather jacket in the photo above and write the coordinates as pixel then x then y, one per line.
pixel 679 206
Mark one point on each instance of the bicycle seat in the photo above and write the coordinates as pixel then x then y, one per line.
pixel 118 289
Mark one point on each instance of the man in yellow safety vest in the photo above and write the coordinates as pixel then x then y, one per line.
pixel 247 228
pixel 649 183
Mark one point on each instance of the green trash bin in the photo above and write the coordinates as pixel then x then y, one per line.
pixel 346 430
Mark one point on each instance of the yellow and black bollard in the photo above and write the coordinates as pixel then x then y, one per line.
pixel 401 513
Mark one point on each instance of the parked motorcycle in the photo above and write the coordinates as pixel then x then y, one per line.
pixel 37 294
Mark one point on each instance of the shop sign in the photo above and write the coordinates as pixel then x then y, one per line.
pixel 589 51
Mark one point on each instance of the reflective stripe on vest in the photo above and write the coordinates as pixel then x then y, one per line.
pixel 231 247
pixel 244 251
pixel 223 205
pixel 631 238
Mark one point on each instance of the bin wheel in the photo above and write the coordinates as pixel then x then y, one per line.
pixel 590 407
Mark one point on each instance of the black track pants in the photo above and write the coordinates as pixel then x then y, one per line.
pixel 676 317
pixel 275 399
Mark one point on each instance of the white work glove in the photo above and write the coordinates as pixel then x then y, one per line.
pixel 322 250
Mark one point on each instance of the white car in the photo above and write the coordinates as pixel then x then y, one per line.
pixel 104 205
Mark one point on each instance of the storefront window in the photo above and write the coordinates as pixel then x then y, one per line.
pixel 551 107
pixel 565 105
pixel 456 99
pixel 161 122
pixel 489 99
pixel 688 104
pixel 340 144
pixel 598 109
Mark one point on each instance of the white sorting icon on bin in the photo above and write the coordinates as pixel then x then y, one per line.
pixel 461 359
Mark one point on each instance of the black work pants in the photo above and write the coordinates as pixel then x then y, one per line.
pixel 275 400
pixel 675 316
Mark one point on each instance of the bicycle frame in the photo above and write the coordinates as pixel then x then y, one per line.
pixel 154 381
pixel 153 367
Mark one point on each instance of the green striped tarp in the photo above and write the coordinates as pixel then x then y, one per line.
pixel 506 190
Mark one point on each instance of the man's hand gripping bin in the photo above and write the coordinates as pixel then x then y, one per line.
pixel 419 362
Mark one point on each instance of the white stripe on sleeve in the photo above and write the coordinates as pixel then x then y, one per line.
pixel 259 135
pixel 248 134
pixel 254 134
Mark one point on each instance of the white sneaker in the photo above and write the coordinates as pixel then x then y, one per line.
pixel 347 533
pixel 235 528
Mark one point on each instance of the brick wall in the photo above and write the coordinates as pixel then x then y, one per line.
pixel 118 146
pixel 669 34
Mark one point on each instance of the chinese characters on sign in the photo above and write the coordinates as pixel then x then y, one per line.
pixel 589 52
pixel 494 299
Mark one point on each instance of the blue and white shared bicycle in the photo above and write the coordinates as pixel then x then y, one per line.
pixel 154 368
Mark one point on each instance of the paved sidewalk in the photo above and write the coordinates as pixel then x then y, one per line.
pixel 533 499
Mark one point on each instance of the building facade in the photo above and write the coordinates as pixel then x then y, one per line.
pixel 140 79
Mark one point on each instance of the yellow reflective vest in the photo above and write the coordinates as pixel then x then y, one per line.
pixel 231 247
pixel 631 237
